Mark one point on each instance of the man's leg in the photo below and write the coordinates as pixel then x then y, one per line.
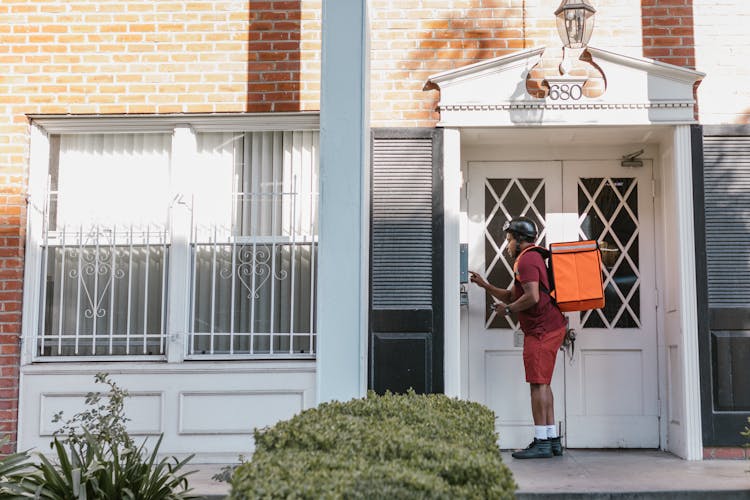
pixel 543 411
pixel 541 403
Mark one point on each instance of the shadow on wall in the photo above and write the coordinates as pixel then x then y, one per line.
pixel 453 42
pixel 273 59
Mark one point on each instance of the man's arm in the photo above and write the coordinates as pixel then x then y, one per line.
pixel 499 293
pixel 529 298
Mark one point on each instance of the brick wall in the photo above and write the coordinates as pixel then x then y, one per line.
pixel 410 44
pixel 169 56
pixel 668 31
pixel 133 56
pixel 722 51
pixel 283 56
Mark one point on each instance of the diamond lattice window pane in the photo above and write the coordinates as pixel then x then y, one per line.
pixel 504 199
pixel 608 213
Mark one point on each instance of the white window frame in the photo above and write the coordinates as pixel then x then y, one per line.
pixel 183 128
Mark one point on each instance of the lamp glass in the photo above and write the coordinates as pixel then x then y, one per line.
pixel 575 22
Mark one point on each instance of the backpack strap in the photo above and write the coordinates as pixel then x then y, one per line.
pixel 545 254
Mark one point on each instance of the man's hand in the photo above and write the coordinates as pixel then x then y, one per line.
pixel 476 278
pixel 498 293
pixel 499 307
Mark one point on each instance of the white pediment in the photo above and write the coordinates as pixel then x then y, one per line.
pixel 638 91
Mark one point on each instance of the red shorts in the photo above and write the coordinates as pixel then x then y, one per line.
pixel 539 355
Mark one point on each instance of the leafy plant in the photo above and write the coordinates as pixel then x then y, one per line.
pixel 96 459
pixel 105 418
pixel 96 471
pixel 11 466
pixel 392 446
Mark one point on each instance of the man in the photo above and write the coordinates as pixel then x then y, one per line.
pixel 543 326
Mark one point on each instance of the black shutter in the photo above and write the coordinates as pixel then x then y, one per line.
pixel 406 257
pixel 722 190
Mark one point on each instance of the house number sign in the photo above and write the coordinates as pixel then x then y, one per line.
pixel 565 88
pixel 565 92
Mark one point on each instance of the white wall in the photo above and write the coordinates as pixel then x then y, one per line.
pixel 722 52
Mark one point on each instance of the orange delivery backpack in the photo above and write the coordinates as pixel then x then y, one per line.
pixel 575 275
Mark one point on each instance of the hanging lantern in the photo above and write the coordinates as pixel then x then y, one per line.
pixel 575 22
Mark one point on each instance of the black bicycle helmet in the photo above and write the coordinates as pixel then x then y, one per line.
pixel 522 228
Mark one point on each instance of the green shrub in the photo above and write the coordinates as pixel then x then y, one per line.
pixel 392 446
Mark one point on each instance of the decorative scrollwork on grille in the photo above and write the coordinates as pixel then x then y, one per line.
pixel 253 267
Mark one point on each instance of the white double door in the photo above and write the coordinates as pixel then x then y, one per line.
pixel 607 394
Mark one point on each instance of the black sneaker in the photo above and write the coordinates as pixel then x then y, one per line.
pixel 556 445
pixel 539 448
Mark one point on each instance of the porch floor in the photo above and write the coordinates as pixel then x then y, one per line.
pixel 594 474
pixel 631 474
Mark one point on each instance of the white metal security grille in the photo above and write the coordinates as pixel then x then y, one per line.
pixel 254 252
pixel 243 233
pixel 105 246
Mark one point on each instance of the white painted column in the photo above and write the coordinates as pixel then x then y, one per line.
pixel 451 265
pixel 683 178
pixel 184 157
pixel 344 203
pixel 33 266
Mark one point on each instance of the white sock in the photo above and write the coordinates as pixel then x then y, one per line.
pixel 551 431
pixel 540 431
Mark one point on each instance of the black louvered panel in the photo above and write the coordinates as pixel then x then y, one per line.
pixel 402 223
pixel 727 213
pixel 721 169
pixel 406 282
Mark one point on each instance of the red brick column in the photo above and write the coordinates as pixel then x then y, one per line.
pixel 668 34
pixel 668 31
pixel 12 233
pixel 273 65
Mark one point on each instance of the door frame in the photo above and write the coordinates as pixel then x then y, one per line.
pixel 670 149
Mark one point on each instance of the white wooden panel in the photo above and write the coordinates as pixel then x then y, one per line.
pixel 613 432
pixel 507 394
pixel 235 412
pixel 144 410
pixel 222 402
pixel 612 382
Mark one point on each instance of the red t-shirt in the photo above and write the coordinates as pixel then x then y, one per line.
pixel 544 316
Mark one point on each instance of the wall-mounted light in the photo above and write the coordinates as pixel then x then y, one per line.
pixel 575 22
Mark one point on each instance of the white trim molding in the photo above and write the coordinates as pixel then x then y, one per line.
pixel 493 93
pixel 683 180
pixel 200 122
pixel 451 266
